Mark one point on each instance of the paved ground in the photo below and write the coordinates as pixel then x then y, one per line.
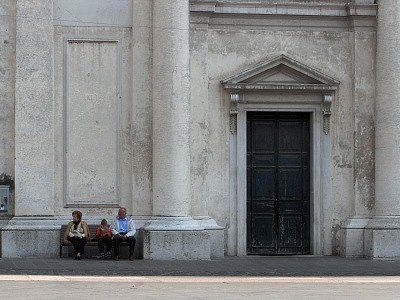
pixel 306 277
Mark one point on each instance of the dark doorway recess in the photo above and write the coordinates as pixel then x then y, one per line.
pixel 278 183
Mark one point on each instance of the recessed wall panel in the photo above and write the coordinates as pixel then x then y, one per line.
pixel 91 122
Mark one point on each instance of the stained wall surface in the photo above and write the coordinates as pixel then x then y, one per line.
pixel 7 81
pixel 84 105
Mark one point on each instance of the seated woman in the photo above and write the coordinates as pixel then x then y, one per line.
pixel 77 233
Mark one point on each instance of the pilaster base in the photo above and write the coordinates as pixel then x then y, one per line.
pixel 181 238
pixel 382 238
pixel 31 237
pixel 352 237
pixel 217 236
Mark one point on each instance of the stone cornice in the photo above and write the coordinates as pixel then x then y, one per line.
pixel 287 9
pixel 280 87
pixel 362 10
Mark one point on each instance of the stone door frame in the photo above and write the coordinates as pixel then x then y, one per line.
pixel 286 85
pixel 320 170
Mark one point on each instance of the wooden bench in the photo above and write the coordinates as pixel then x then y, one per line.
pixel 91 242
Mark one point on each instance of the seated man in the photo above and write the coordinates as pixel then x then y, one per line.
pixel 123 230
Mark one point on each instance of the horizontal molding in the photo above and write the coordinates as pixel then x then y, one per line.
pixel 294 9
pixel 280 87
pixel 282 16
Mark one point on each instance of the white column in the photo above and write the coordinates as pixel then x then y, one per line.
pixel 364 77
pixel 172 233
pixel 383 232
pixel 34 150
pixel 34 135
pixel 171 152
pixel 387 137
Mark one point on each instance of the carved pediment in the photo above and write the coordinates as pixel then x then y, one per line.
pixel 280 73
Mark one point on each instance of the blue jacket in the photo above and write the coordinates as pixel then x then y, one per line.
pixel 131 227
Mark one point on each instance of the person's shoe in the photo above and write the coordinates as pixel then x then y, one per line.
pixel 108 254
pixel 116 257
pixel 78 256
pixel 130 256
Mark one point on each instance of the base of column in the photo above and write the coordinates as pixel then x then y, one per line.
pixel 382 238
pixel 375 238
pixel 352 237
pixel 217 236
pixel 181 238
pixel 31 237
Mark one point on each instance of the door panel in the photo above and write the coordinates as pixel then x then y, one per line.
pixel 290 184
pixel 278 183
pixel 262 238
pixel 261 190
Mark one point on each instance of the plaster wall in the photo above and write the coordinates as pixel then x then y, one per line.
pixel 234 47
pixel 221 45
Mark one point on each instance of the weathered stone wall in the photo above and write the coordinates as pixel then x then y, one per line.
pixel 230 44
pixel 7 81
pixel 93 108
pixel 119 43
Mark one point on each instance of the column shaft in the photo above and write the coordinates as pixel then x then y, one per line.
pixel 171 152
pixel 387 132
pixel 382 234
pixel 34 84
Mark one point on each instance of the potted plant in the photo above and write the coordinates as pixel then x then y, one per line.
pixel 7 180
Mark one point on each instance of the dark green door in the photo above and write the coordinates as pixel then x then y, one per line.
pixel 278 183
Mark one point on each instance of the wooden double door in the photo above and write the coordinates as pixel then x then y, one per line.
pixel 278 183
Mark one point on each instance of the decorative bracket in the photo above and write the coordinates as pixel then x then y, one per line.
pixel 280 75
pixel 326 104
pixel 234 99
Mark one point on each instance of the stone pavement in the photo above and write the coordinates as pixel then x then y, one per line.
pixel 228 266
pixel 252 277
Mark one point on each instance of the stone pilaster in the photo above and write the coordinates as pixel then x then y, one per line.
pixel 34 134
pixel 382 236
pixel 34 150
pixel 142 106
pixel 364 54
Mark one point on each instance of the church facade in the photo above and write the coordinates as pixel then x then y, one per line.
pixel 229 127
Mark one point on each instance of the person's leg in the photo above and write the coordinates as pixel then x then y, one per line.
pixel 80 246
pixel 73 241
pixel 131 242
pixel 83 243
pixel 108 244
pixel 116 246
pixel 101 243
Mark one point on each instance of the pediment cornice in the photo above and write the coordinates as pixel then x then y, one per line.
pixel 284 75
pixel 280 73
